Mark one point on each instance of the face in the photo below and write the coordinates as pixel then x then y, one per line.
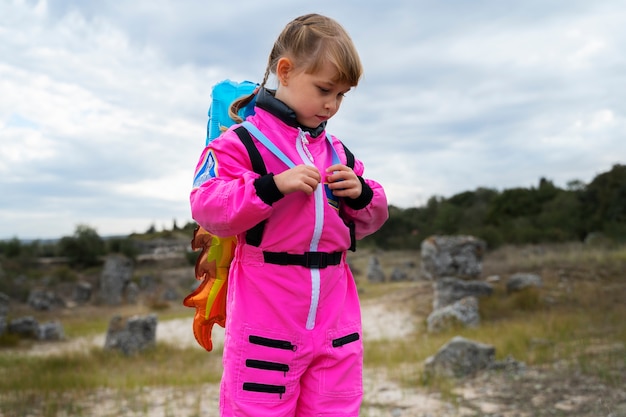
pixel 314 98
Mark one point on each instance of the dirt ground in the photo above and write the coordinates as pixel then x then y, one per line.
pixel 554 390
pixel 531 392
pixel 547 391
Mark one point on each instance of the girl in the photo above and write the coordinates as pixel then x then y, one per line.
pixel 293 344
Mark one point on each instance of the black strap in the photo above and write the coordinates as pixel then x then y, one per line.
pixel 349 156
pixel 351 226
pixel 258 165
pixel 255 234
pixel 308 259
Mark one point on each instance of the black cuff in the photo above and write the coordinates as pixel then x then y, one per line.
pixel 364 199
pixel 267 190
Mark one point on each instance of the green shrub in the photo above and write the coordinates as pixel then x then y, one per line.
pixel 528 299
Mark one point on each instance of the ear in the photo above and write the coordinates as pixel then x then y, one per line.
pixel 283 67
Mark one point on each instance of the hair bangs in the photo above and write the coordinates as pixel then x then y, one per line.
pixel 342 56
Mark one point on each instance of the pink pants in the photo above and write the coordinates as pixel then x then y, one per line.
pixel 275 366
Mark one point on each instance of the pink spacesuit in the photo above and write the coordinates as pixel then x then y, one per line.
pixel 293 341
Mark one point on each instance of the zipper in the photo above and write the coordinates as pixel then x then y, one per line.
pixel 273 343
pixel 318 194
pixel 353 337
pixel 266 388
pixel 267 366
pixel 305 143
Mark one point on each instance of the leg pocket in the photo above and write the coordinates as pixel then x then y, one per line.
pixel 268 367
pixel 342 373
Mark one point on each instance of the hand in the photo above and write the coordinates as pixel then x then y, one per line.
pixel 343 181
pixel 303 178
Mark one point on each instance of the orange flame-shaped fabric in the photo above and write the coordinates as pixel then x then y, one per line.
pixel 209 299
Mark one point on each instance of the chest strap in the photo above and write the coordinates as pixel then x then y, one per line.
pixel 255 234
pixel 308 259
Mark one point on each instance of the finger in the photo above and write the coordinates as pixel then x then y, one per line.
pixel 337 184
pixel 337 167
pixel 309 187
pixel 341 176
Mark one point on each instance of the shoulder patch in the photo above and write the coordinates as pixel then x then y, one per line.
pixel 207 169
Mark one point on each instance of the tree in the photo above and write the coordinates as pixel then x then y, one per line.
pixel 604 202
pixel 11 248
pixel 84 248
pixel 125 246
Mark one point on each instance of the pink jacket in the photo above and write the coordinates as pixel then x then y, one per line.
pixel 237 198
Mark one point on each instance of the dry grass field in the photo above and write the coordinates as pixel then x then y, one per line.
pixel 570 335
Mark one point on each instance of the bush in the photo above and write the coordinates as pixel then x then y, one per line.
pixel 526 300
pixel 64 274
pixel 124 246
pixel 84 248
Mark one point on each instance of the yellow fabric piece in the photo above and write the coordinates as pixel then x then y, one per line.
pixel 209 299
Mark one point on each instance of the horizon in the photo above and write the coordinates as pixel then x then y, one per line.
pixel 182 224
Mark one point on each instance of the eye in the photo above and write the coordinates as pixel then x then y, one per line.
pixel 324 90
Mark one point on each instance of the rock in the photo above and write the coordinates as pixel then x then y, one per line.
pixel 510 365
pixel 519 281
pixel 374 271
pixel 460 357
pixel 398 275
pixel 406 271
pixel 459 256
pixel 463 312
pixel 131 293
pixel 82 292
pixel 4 310
pixel 50 331
pixel 147 283
pixel 132 335
pixel 116 275
pixel 170 294
pixel 449 290
pixel 26 327
pixel 44 300
pixel 29 327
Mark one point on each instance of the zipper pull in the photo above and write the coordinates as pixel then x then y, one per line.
pixel 305 142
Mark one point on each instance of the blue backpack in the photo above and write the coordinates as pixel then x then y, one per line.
pixel 212 265
pixel 223 95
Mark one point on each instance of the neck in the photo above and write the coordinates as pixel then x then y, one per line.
pixel 267 101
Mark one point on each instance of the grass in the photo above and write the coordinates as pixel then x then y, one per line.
pixel 575 320
pixel 162 365
pixel 69 384
pixel 108 402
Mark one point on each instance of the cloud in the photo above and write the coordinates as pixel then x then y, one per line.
pixel 103 105
pixel 88 117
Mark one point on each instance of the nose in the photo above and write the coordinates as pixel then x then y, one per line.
pixel 332 105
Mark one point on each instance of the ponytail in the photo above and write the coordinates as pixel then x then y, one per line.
pixel 243 101
pixel 238 104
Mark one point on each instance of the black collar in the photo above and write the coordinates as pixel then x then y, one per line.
pixel 267 101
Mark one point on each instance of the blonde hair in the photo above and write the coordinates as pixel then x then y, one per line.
pixel 310 41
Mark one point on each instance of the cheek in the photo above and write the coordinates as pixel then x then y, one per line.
pixel 310 105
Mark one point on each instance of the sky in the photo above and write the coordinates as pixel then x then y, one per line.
pixel 103 104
